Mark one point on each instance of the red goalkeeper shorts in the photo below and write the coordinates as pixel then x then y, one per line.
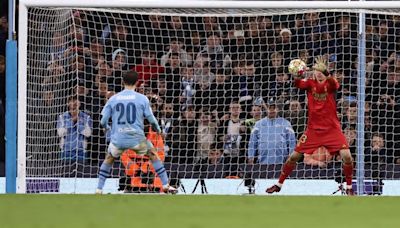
pixel 333 140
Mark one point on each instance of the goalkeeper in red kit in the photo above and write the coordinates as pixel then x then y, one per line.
pixel 323 128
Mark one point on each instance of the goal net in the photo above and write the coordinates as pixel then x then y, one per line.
pixel 210 74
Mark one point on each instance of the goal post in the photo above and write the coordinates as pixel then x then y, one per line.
pixel 75 26
pixel 224 4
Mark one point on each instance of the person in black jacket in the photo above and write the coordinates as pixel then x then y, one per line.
pixel 376 158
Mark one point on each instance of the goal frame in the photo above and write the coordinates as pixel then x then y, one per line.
pixel 20 163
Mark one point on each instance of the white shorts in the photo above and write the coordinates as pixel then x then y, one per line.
pixel 141 149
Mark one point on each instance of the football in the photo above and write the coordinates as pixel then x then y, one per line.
pixel 297 67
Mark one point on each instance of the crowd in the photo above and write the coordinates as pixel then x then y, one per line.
pixel 209 79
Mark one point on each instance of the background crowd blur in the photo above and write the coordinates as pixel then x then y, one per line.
pixel 209 79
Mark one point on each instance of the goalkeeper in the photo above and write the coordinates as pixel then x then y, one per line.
pixel 323 128
pixel 128 110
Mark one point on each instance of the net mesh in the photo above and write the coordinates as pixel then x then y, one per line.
pixel 210 75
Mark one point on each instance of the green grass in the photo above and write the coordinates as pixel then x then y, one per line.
pixel 93 211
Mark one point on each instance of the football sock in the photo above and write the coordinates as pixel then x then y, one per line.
pixel 161 172
pixel 286 171
pixel 104 173
pixel 348 173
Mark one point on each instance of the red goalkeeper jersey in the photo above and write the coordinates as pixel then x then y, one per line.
pixel 321 103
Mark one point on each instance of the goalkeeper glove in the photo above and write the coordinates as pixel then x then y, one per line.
pixel 321 65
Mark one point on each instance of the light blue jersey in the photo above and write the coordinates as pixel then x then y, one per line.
pixel 271 140
pixel 127 110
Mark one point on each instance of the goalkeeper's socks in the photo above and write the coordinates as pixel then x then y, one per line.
pixel 286 171
pixel 348 173
pixel 104 173
pixel 161 172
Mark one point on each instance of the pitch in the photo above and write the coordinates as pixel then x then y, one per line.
pixel 74 211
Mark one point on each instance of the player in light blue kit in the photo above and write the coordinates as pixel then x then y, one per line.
pixel 128 110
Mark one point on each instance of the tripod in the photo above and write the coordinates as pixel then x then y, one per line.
pixel 203 186
pixel 340 189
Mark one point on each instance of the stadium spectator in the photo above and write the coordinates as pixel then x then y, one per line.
pixel 272 139
pixel 386 118
pixel 103 68
pixel 215 52
pixel 74 127
pixel 221 93
pixel 172 77
pixel 215 155
pixel 98 141
pixel 285 44
pixel 213 96
pixel 376 158
pixel 173 64
pixel 145 90
pixel 304 55
pixel 119 60
pixel 371 35
pixel 255 115
pixel 206 135
pixel 59 49
pixel 149 69
pixel 195 42
pixel 95 53
pixel 250 86
pixel 47 101
pixel 235 42
pixel 176 45
pixel 351 115
pixel 391 84
pixel 158 91
pixel 187 87
pixel 83 96
pixel 229 132
pixel 386 40
pixel 202 70
pixel 183 138
pixel 254 41
pixel 167 122
pixel 275 63
pixel 120 39
pixel 154 32
pixel 281 88
pixel 297 117
pixel 210 25
pixel 234 80
pixel 346 36
pixel 45 126
pixel 298 31
pixel 119 67
pixel 176 27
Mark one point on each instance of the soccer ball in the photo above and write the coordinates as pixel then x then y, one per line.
pixel 297 67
